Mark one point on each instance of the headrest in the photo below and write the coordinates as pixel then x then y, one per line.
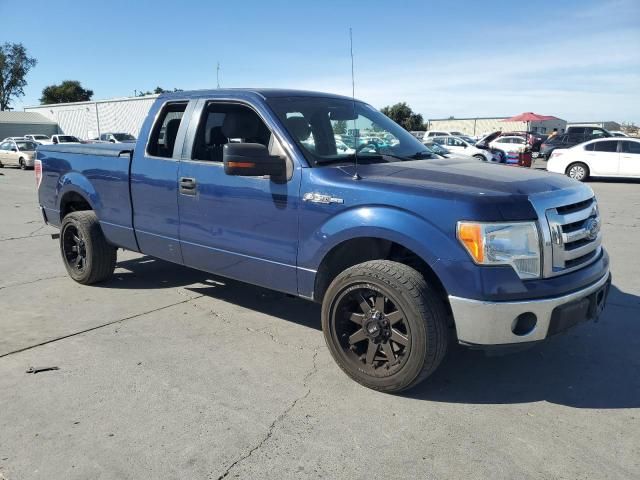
pixel 299 127
pixel 240 125
pixel 216 137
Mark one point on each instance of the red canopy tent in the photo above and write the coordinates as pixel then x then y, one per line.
pixel 529 117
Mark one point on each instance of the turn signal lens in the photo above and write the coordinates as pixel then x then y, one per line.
pixel 470 234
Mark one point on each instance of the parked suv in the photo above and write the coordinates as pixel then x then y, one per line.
pixel 117 138
pixel 558 141
pixel 39 138
pixel 587 132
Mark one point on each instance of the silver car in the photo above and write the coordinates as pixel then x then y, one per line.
pixel 20 153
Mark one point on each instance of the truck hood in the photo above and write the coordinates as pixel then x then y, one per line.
pixel 463 177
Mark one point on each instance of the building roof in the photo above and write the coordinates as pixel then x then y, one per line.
pixel 24 117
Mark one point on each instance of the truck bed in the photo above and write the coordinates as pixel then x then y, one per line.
pixel 100 173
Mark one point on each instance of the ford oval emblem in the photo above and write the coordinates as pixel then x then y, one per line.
pixel 592 227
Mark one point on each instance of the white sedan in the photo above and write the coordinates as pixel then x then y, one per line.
pixel 509 144
pixel 604 157
pixel 462 147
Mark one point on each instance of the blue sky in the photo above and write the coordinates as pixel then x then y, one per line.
pixel 578 60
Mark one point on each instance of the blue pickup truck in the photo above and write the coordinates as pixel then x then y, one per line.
pixel 406 251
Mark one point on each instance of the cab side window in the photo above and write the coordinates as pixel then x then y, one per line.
pixel 165 131
pixel 223 123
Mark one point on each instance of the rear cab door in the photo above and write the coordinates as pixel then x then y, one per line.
pixel 154 178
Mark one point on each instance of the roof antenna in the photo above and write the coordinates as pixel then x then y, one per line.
pixel 356 133
pixel 218 74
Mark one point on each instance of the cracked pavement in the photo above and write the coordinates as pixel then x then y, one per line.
pixel 166 372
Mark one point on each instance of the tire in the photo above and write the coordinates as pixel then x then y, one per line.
pixel 414 315
pixel 480 157
pixel 22 163
pixel 86 254
pixel 578 171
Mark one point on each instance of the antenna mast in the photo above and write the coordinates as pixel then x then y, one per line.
pixel 356 133
pixel 218 74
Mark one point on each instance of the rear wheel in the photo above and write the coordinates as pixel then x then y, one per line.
pixel 578 171
pixel 384 326
pixel 87 255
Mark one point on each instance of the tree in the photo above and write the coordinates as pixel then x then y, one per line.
pixel 340 127
pixel 68 91
pixel 157 91
pixel 402 114
pixel 14 66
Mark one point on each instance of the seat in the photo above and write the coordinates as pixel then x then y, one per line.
pixel 170 135
pixel 217 140
pixel 247 126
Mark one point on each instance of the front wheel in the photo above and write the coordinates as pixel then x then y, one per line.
pixel 480 157
pixel 384 326
pixel 86 254
pixel 578 171
pixel 23 164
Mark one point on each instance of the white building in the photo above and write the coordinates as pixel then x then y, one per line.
pixel 88 120
pixel 482 125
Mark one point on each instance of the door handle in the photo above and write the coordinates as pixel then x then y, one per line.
pixel 188 186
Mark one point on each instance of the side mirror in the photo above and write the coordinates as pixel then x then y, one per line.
pixel 55 140
pixel 112 141
pixel 14 149
pixel 251 160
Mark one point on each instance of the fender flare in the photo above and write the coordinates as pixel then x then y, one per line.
pixel 405 228
pixel 74 182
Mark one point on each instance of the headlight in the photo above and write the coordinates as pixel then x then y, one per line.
pixel 515 244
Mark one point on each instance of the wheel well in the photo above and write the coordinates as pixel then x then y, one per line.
pixel 358 250
pixel 73 202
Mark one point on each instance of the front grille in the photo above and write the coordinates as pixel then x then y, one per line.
pixel 575 235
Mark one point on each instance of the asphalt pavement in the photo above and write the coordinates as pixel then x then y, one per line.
pixel 166 372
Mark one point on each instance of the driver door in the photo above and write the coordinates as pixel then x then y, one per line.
pixel 245 228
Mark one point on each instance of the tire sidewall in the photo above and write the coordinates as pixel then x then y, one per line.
pixel 71 220
pixel 583 167
pixel 419 341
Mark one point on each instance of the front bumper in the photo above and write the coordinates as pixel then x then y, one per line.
pixel 481 323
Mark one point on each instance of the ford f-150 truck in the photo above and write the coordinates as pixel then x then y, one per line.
pixel 403 249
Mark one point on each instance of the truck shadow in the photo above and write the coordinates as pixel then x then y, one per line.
pixel 594 365
pixel 149 273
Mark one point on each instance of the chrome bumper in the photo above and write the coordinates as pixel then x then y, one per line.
pixel 494 323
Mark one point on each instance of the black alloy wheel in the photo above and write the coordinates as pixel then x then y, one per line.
pixel 74 248
pixel 372 330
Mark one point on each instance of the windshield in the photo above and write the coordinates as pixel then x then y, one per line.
pixel 121 137
pixel 26 145
pixel 467 139
pixel 322 126
pixel 67 139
